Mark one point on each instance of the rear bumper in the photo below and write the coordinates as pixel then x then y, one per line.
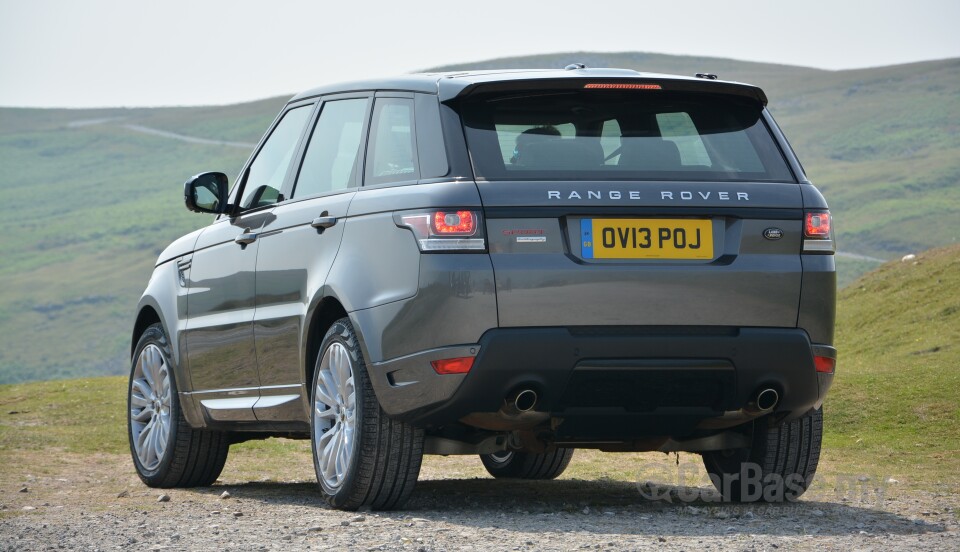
pixel 611 382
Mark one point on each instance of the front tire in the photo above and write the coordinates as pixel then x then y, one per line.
pixel 361 456
pixel 780 464
pixel 511 464
pixel 166 451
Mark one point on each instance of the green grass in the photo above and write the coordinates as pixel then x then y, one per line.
pixel 89 206
pixel 894 409
pixel 83 416
pixel 896 398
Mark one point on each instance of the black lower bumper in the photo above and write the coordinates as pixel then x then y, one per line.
pixel 611 382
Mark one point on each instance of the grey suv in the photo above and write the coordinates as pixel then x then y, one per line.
pixel 509 264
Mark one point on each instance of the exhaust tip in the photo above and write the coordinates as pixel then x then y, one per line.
pixel 767 399
pixel 525 400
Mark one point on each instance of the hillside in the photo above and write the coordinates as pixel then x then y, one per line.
pixel 89 207
pixel 92 197
pixel 897 391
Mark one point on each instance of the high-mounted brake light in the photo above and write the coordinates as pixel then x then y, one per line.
pixel 448 230
pixel 817 225
pixel 452 365
pixel 824 364
pixel 622 86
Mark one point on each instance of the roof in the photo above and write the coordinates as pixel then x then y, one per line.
pixel 451 85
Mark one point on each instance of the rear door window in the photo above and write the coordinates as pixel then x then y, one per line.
pixel 614 135
pixel 330 162
pixel 392 147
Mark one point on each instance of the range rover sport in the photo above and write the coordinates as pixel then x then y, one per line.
pixel 510 264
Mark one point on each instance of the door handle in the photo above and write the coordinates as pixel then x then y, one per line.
pixel 323 222
pixel 246 238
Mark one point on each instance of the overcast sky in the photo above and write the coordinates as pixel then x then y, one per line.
pixel 73 53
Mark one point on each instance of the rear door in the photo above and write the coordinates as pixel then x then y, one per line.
pixel 297 248
pixel 639 207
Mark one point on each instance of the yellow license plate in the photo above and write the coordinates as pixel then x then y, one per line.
pixel 603 238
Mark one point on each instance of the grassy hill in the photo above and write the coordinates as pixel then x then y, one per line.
pixel 91 200
pixel 89 206
pixel 897 393
pixel 894 410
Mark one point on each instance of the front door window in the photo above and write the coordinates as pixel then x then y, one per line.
pixel 266 173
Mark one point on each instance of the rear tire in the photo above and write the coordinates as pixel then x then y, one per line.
pixel 779 466
pixel 527 465
pixel 166 451
pixel 361 456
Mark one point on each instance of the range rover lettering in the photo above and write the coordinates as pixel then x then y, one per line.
pixel 509 264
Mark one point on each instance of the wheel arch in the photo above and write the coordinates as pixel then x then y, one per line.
pixel 146 317
pixel 164 302
pixel 327 310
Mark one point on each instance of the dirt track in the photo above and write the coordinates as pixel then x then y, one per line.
pixel 63 510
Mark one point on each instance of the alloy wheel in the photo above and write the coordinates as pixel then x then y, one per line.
pixel 334 416
pixel 150 407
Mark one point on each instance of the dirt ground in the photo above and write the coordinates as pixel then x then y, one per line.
pixel 78 502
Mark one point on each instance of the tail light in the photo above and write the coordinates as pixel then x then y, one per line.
pixel 818 233
pixel 817 224
pixel 455 223
pixel 448 230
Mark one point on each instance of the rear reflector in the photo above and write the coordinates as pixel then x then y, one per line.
pixel 824 364
pixel 817 225
pixel 616 86
pixel 452 365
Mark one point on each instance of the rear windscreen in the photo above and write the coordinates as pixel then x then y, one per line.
pixel 620 135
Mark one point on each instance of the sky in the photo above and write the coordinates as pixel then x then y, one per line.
pixel 106 53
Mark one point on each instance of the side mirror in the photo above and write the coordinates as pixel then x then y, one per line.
pixel 206 193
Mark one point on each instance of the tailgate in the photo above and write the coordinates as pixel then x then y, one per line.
pixel 645 253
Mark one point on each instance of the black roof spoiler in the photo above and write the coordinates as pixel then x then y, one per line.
pixel 457 88
pixel 453 85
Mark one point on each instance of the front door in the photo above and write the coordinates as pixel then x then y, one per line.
pixel 221 296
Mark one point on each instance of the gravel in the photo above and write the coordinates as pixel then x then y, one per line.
pixel 464 514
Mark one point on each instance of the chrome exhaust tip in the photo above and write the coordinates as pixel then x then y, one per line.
pixel 766 400
pixel 525 400
pixel 762 403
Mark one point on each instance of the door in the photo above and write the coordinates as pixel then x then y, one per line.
pixel 221 292
pixel 297 248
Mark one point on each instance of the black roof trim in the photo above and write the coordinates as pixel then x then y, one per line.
pixel 407 83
